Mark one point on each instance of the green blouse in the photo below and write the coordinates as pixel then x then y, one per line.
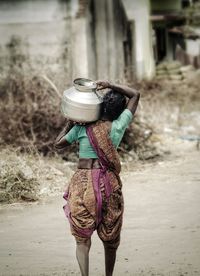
pixel 78 133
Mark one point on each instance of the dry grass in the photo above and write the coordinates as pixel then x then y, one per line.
pixel 34 120
pixel 29 112
pixel 17 179
pixel 28 177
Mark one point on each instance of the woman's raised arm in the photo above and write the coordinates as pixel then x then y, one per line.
pixel 129 92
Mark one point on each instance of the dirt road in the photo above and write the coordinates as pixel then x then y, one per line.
pixel 161 231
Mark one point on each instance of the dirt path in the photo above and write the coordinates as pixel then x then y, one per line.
pixel 161 232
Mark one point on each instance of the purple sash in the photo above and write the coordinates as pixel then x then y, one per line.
pixel 98 174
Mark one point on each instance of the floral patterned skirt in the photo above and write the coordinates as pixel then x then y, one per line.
pixel 82 210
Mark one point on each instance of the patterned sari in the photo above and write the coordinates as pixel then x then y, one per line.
pixel 94 197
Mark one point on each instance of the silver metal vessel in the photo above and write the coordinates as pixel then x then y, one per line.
pixel 82 103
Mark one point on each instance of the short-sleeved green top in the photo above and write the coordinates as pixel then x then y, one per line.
pixel 78 133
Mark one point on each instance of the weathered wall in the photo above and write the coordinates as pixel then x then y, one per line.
pixel 105 40
pixel 138 13
pixel 79 39
pixel 36 33
pixel 63 37
pixel 193 47
pixel 79 48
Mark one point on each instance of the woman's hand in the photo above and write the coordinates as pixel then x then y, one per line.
pixel 61 142
pixel 103 84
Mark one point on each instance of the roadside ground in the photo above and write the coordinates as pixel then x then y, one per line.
pixel 161 231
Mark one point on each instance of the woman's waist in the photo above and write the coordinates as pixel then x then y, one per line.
pixel 89 163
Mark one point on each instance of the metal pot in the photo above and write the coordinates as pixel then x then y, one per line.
pixel 81 103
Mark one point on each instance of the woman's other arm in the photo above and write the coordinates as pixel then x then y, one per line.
pixel 61 142
pixel 131 93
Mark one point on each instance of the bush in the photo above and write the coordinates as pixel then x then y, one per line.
pixel 30 115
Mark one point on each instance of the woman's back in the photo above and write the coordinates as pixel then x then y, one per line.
pixel 118 127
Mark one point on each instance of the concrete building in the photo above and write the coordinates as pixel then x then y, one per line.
pixel 127 38
pixel 99 37
pixel 177 31
pixel 163 18
pixel 138 16
pixel 114 47
pixel 112 39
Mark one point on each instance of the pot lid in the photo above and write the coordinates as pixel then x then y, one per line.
pixel 85 85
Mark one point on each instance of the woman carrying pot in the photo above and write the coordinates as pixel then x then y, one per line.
pixel 94 195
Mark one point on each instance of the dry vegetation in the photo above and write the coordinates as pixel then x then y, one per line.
pixel 30 119
pixel 17 181
pixel 29 177
pixel 30 116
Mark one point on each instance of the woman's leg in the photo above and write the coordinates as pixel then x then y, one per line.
pixel 82 255
pixel 110 248
pixel 110 257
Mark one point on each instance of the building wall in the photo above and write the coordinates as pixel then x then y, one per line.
pixel 138 13
pixel 64 37
pixel 166 42
pixel 193 47
pixel 105 39
pixel 38 32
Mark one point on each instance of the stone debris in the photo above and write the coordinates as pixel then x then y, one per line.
pixel 174 71
pixel 17 180
pixel 25 177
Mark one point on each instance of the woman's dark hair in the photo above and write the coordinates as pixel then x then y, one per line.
pixel 113 105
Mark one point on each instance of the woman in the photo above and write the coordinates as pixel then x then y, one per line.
pixel 94 196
